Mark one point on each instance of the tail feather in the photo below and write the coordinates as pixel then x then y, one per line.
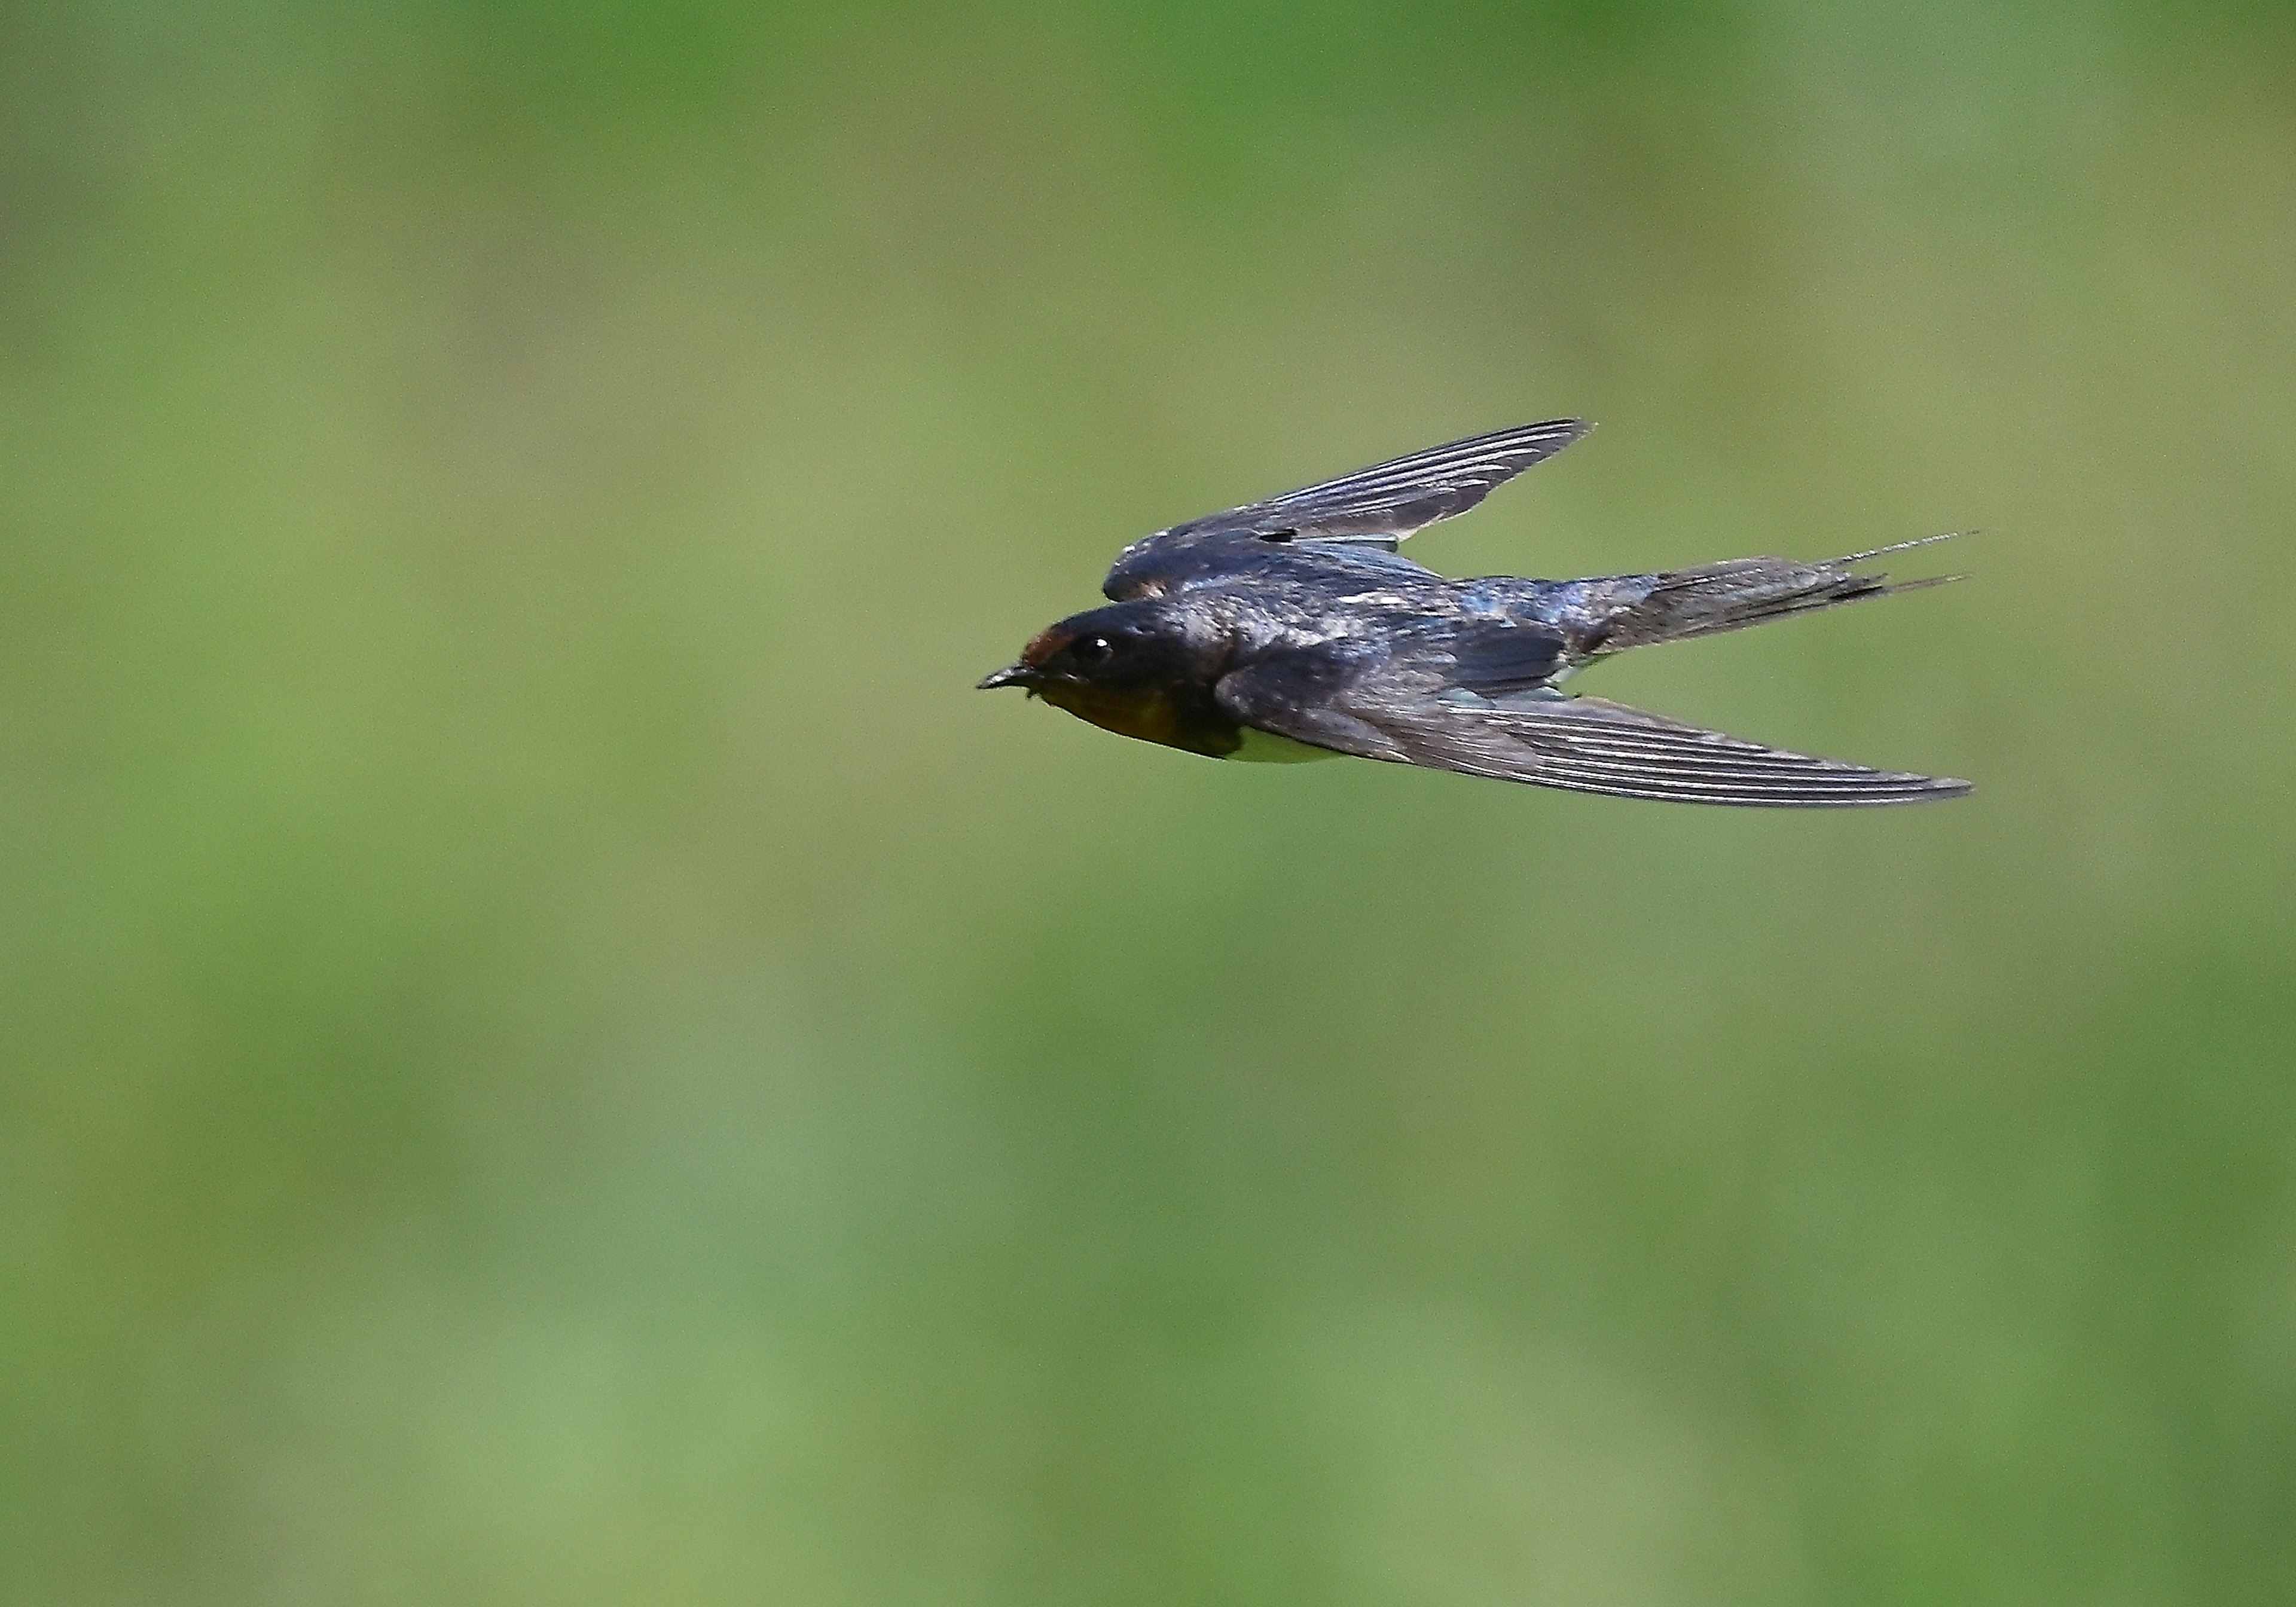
pixel 1730 596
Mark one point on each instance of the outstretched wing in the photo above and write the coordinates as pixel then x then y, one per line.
pixel 1581 744
pixel 1381 505
pixel 1373 508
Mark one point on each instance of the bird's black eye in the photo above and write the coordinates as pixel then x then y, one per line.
pixel 1093 650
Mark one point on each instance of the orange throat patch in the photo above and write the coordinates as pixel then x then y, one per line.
pixel 1145 713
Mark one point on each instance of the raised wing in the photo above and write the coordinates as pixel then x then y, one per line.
pixel 1581 744
pixel 1381 505
pixel 1373 508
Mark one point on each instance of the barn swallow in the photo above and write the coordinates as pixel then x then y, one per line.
pixel 1293 628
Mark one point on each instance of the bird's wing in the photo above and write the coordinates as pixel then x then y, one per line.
pixel 1372 508
pixel 1381 505
pixel 1324 698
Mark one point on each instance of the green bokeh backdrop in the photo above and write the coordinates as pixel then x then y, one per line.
pixel 554 1051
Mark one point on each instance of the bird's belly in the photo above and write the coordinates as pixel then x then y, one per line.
pixel 1266 748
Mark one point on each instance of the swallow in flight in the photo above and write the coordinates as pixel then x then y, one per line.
pixel 1293 628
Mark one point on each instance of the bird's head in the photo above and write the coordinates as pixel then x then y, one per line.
pixel 1123 646
pixel 1144 669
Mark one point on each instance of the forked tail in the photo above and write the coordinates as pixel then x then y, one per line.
pixel 1753 591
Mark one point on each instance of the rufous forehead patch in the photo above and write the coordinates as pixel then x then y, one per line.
pixel 1045 644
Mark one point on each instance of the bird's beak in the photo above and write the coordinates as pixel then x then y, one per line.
pixel 1011 674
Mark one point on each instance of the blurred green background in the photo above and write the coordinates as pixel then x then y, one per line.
pixel 555 1051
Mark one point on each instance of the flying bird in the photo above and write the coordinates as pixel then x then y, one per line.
pixel 1293 628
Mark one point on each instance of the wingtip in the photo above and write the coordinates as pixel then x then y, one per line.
pixel 1924 789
